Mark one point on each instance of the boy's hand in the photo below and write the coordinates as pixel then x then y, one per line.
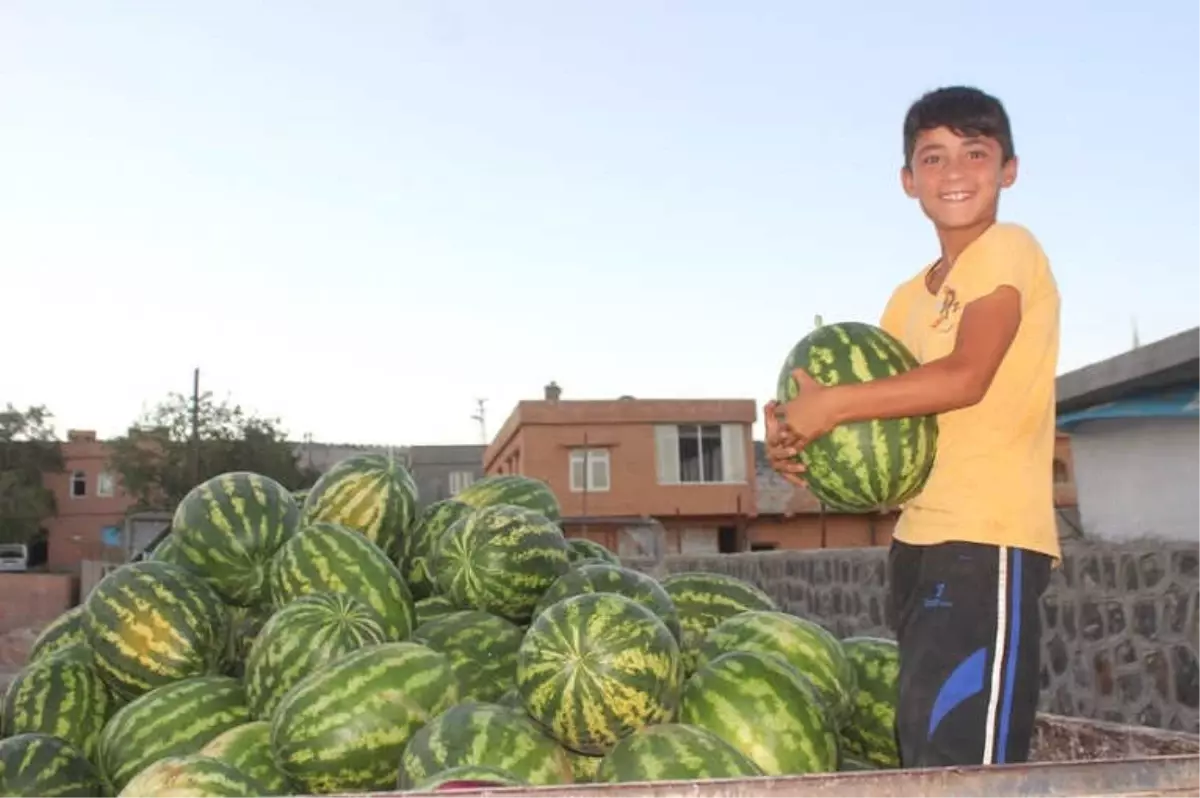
pixel 813 412
pixel 782 446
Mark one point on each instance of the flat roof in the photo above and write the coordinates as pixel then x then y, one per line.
pixel 1171 362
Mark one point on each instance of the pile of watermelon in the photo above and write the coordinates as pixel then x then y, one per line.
pixel 352 644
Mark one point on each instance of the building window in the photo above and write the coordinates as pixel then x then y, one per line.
pixel 589 467
pixel 460 481
pixel 1061 477
pixel 78 485
pixel 106 486
pixel 700 453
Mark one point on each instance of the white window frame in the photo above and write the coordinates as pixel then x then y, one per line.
pixel 78 478
pixel 106 485
pixel 733 454
pixel 592 462
pixel 460 481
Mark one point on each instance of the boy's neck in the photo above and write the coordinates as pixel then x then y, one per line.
pixel 954 241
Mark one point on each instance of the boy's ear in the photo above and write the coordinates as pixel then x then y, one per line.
pixel 1008 173
pixel 906 181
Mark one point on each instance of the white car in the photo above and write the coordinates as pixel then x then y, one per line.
pixel 14 557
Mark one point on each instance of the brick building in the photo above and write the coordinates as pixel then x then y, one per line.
pixel 91 506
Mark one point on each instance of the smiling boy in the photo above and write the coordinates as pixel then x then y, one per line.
pixel 972 554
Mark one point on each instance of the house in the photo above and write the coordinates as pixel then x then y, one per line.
pixel 442 471
pixel 90 521
pixel 621 467
pixel 1134 425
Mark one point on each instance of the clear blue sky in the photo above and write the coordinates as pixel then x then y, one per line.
pixel 360 216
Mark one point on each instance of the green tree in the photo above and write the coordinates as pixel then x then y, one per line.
pixel 28 450
pixel 155 458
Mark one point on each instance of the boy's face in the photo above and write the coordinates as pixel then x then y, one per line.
pixel 957 179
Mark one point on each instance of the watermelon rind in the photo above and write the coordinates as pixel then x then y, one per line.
pixel 248 749
pixel 343 728
pixel 434 607
pixel 513 489
pixel 869 735
pixel 151 623
pixel 500 559
pixel 482 649
pixel 330 558
pixel 177 719
pixel 33 765
pixel 303 636
pixel 64 630
pixel 489 735
pixel 705 599
pixel 589 551
pixel 674 752
pixel 430 525
pixel 598 577
pixel 61 694
pixel 192 775
pixel 764 708
pixel 596 667
pixel 228 527
pixel 373 494
pixel 862 466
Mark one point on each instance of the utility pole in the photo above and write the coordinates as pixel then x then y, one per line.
pixel 481 417
pixel 196 427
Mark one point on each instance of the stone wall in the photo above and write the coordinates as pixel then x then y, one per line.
pixel 1120 623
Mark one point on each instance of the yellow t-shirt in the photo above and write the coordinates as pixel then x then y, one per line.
pixel 992 481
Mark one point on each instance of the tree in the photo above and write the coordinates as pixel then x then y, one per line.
pixel 28 451
pixel 155 459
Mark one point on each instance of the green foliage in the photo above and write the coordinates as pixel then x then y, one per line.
pixel 155 458
pixel 28 450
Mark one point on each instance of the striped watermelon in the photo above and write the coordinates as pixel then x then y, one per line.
pixel 607 578
pixel 584 767
pixel 674 752
pixel 300 496
pixel 511 698
pixel 433 607
pixel 168 550
pixel 61 694
pixel 248 749
pixel 300 638
pixel 799 642
pixel 500 560
pixel 41 765
pixel 343 728
pixel 151 623
pixel 328 558
pixel 175 720
pixel 193 775
pixel 870 733
pixel 703 600
pixel 486 735
pixel 589 551
pixel 430 524
pixel 515 490
pixel 227 528
pixel 597 667
pixel 482 649
pixel 866 466
pixel 467 777
pixel 764 708
pixel 373 494
pixel 58 634
pixel 244 626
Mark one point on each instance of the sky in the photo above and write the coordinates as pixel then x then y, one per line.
pixel 361 217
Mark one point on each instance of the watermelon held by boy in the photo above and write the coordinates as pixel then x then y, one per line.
pixel 863 466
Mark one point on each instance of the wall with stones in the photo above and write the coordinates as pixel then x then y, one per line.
pixel 1120 623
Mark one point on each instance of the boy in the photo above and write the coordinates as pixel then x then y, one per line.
pixel 972 553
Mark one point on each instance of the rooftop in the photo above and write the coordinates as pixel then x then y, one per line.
pixel 1172 362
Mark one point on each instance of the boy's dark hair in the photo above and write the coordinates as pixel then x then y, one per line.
pixel 965 110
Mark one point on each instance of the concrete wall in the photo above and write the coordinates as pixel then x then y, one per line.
pixel 33 600
pixel 1138 477
pixel 1120 619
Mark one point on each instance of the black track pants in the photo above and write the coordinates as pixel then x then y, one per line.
pixel 967 623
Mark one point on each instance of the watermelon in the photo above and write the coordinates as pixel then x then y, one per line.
pixel 373 494
pixel 596 667
pixel 41 765
pixel 674 752
pixel 429 527
pixel 433 607
pixel 703 600
pixel 60 694
pixel 500 560
pixel 488 735
pixel 227 528
pixel 482 649
pixel 515 490
pixel 193 775
pixel 864 466
pixel 607 578
pixel 850 764
pixel 870 733
pixel 764 708
pixel 328 558
pixel 584 767
pixel 588 551
pixel 152 623
pixel 801 643
pixel 467 777
pixel 175 720
pixel 343 728
pixel 300 496
pixel 511 698
pixel 168 550
pixel 248 749
pixel 244 626
pixel 58 634
pixel 304 635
